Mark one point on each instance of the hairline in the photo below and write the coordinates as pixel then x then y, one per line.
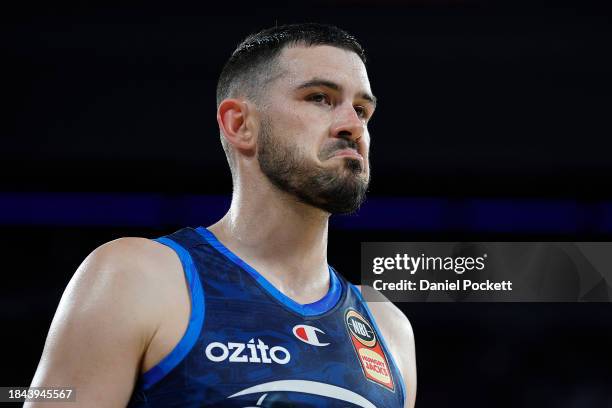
pixel 274 62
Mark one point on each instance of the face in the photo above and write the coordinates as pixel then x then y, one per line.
pixel 314 141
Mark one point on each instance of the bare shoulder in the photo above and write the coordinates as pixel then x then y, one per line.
pixel 129 253
pixel 141 276
pixel 108 316
pixel 387 314
pixel 121 269
pixel 399 336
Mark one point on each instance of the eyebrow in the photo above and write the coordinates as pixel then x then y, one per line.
pixel 336 87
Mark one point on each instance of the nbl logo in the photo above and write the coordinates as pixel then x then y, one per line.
pixel 360 328
pixel 369 351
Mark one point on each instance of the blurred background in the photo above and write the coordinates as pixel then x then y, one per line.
pixel 493 125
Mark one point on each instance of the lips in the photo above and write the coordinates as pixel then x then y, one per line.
pixel 348 153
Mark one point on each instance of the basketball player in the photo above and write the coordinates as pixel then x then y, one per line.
pixel 247 312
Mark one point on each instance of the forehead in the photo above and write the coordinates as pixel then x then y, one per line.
pixel 301 63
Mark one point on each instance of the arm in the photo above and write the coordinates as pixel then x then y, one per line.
pixel 398 334
pixel 102 327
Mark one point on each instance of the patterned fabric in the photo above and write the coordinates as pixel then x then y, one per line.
pixel 249 345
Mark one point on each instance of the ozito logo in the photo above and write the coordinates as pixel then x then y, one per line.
pixel 250 352
pixel 360 328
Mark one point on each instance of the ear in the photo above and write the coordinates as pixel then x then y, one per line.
pixel 236 125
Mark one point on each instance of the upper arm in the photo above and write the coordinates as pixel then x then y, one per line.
pixel 399 336
pixel 403 339
pixel 101 328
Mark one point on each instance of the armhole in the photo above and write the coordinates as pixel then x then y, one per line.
pixel 196 319
pixel 382 340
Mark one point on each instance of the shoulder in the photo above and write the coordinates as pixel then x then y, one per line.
pixel 132 261
pixel 111 311
pixel 398 334
pixel 135 274
pixel 129 252
pixel 127 260
pixel 139 285
pixel 387 315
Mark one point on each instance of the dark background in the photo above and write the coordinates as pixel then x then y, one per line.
pixel 493 124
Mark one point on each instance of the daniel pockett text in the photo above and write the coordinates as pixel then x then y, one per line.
pixel 487 271
pixel 412 265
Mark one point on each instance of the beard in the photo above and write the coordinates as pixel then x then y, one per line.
pixel 337 190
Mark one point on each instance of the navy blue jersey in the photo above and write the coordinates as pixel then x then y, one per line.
pixel 249 345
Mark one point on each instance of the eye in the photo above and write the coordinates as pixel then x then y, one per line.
pixel 362 112
pixel 319 98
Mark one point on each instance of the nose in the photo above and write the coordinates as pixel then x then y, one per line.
pixel 348 125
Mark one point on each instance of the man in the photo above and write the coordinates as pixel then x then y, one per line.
pixel 247 312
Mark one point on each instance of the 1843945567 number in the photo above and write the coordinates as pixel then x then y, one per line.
pixel 23 394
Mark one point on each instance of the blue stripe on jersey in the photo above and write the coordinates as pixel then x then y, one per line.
pixel 196 318
pixel 321 306
pixel 380 336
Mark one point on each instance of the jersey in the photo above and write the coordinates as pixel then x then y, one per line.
pixel 249 345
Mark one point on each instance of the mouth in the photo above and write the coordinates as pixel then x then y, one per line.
pixel 348 153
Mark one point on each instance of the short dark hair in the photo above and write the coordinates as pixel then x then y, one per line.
pixel 253 62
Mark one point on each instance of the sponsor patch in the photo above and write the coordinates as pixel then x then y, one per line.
pixel 369 351
pixel 251 352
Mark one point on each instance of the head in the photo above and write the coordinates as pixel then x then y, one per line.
pixel 296 101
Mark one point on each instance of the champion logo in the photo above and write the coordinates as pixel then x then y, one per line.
pixel 308 334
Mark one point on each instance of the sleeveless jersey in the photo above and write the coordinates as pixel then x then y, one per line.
pixel 249 345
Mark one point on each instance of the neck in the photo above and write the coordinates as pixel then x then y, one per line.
pixel 283 239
